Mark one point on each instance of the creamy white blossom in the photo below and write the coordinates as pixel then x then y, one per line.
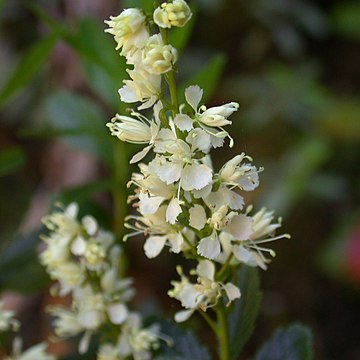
pixel 7 321
pixel 129 30
pixel 202 295
pixel 175 13
pixel 36 352
pixel 211 120
pixel 143 87
pixel 160 232
pixel 235 174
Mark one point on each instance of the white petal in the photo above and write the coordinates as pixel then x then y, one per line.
pixel 78 246
pixel 154 245
pixel 167 171
pixel 193 95
pixel 72 210
pixel 206 269
pixel 184 122
pixel 149 204
pixel 225 196
pixel 209 248
pixel 199 139
pixel 149 103
pixel 90 224
pixel 176 242
pixel 89 319
pixel 196 177
pixel 232 292
pixel 202 193
pixel 128 95
pixel 183 315
pixel 240 227
pixel 197 217
pixel 140 155
pixel 117 313
pixel 235 201
pixel 173 210
pixel 243 255
pixel 250 180
pixel 189 296
pixel 84 342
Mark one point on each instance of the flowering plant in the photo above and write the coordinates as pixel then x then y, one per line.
pixel 182 203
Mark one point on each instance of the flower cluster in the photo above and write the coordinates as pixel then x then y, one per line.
pixel 149 55
pixel 183 203
pixel 85 262
pixel 9 323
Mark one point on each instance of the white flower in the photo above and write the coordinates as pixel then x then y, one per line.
pixel 175 13
pixel 245 235
pixel 179 161
pixel 210 246
pixel 7 320
pixel 137 130
pixel 202 295
pixel 224 196
pixel 69 275
pixel 158 58
pixel 235 174
pixel 160 233
pixel 143 86
pixel 64 222
pixel 108 352
pixel 36 352
pixel 210 120
pixel 129 30
pixel 66 322
pixel 137 341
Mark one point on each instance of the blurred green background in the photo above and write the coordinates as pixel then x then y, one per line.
pixel 293 65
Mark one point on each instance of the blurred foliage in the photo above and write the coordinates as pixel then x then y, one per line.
pixel 292 66
pixel 294 342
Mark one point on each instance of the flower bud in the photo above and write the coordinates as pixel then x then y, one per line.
pixel 157 57
pixel 176 13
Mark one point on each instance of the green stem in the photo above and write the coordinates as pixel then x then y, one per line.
pixel 224 267
pixel 222 333
pixel 170 79
pixel 210 322
pixel 119 195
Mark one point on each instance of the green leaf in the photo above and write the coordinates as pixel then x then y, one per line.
pixel 28 66
pixel 208 77
pixel 71 112
pixel 243 315
pixel 294 342
pixel 11 160
pixel 20 269
pixel 185 345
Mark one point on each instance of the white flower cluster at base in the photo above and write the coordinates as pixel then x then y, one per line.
pixel 84 260
pixel 9 323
